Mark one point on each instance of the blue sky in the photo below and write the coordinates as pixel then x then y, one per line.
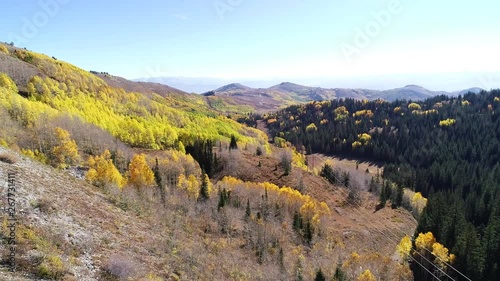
pixel 293 40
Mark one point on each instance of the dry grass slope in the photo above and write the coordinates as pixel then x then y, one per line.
pixel 82 225
pixel 70 230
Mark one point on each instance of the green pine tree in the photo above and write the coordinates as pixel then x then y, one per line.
pixel 308 232
pixel 383 197
pixel 339 274
pixel 281 260
pixel 248 211
pixel 298 271
pixel 297 222
pixel 222 199
pixel 398 198
pixel 204 192
pixel 320 276
pixel 233 144
pixel 159 181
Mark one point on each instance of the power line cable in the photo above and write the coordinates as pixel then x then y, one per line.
pixel 337 179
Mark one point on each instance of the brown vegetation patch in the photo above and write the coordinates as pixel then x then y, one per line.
pixel 8 158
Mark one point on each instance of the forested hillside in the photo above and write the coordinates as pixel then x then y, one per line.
pixel 144 120
pixel 156 185
pixel 446 148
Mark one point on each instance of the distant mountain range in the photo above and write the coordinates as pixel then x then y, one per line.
pixel 236 97
pixel 286 93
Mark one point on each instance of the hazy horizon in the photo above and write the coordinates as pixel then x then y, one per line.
pixel 434 82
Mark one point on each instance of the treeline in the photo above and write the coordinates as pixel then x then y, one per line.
pixel 97 72
pixel 446 148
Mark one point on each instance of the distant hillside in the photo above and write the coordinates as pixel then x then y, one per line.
pixel 245 98
pixel 410 92
pixel 141 87
pixel 239 98
pixel 286 93
pixel 233 87
pixel 474 90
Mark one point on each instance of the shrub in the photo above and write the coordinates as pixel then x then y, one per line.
pixel 354 197
pixel 52 268
pixel 286 162
pixel 4 49
pixel 36 155
pixel 45 205
pixel 7 158
pixel 259 151
pixel 119 268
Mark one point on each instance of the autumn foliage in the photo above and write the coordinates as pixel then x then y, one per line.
pixel 144 120
pixel 446 123
pixel 427 248
pixel 139 173
pixel 191 185
pixel 102 171
pixel 4 49
pixel 66 152
pixel 366 276
pixel 404 248
pixel 63 114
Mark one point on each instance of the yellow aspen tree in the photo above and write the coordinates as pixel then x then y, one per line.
pixel 425 241
pixel 139 173
pixel 31 89
pixel 364 138
pixel 324 209
pixel 6 82
pixel 307 210
pixel 352 262
pixel 193 187
pixel 441 254
pixel 182 182
pixel 414 106
pixel 181 147
pixel 446 123
pixel 356 144
pixel 366 276
pixel 149 139
pixel 341 113
pixel 418 202
pixel 66 152
pixel 311 128
pixel 4 49
pixel 102 171
pixel 404 247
